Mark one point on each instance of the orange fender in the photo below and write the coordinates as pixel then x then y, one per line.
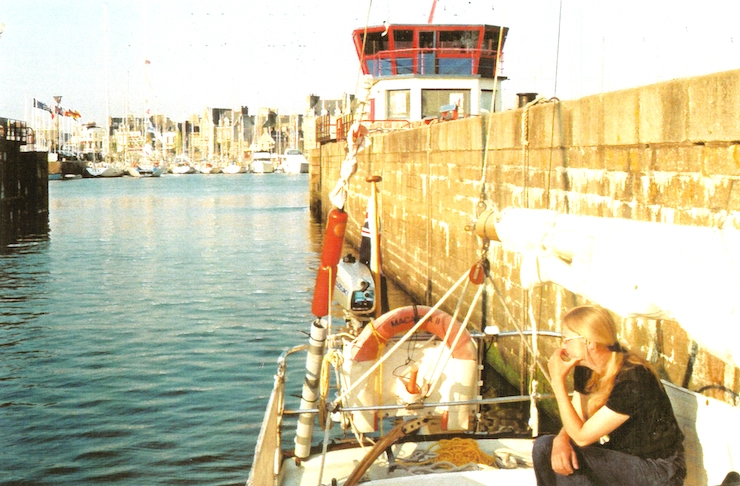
pixel 330 255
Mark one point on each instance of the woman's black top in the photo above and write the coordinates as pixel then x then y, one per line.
pixel 651 431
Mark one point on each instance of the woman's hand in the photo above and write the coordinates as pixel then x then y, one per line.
pixel 563 459
pixel 558 367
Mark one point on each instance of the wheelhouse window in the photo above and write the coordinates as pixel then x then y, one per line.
pixel 432 100
pixel 375 42
pixel 458 39
pixel 403 39
pixel 403 43
pixel 486 97
pixel 398 104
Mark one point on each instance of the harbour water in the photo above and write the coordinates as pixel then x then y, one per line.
pixel 138 342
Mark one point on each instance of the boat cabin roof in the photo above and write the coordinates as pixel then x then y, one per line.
pixel 430 49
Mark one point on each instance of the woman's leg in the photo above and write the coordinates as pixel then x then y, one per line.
pixel 607 467
pixel 597 466
pixel 542 462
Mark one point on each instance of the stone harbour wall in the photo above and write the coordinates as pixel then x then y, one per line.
pixel 668 152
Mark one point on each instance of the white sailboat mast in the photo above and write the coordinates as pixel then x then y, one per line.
pixel 106 138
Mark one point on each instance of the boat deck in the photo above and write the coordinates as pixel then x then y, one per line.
pixel 340 463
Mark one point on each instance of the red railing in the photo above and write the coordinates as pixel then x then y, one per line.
pixel 326 131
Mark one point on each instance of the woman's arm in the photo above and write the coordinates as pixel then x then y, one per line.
pixel 582 432
pixel 563 458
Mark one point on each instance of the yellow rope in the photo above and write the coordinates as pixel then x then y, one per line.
pixel 334 358
pixel 460 451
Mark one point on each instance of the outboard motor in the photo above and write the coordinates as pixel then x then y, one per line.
pixel 355 287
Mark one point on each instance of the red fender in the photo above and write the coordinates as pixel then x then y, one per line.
pixel 368 343
pixel 331 253
pixel 357 132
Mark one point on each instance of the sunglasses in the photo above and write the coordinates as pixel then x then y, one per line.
pixel 564 340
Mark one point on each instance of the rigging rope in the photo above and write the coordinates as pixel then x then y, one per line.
pixel 447 352
pixel 489 123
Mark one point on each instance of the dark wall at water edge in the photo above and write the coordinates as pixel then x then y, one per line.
pixel 668 152
pixel 24 186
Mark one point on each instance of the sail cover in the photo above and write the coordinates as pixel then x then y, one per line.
pixel 689 274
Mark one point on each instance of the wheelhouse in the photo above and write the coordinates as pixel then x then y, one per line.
pixel 420 71
pixel 430 50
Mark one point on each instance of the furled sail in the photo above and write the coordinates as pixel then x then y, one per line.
pixel 689 274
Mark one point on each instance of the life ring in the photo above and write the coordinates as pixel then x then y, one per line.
pixel 387 386
pixel 368 343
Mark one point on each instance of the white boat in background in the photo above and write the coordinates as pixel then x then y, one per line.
pixel 294 162
pixel 262 163
pixel 158 170
pixel 182 169
pixel 233 168
pixel 208 167
pixel 146 170
pixel 147 165
pixel 182 165
pixel 102 169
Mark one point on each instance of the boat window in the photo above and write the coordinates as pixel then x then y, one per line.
pixel 490 40
pixel 403 39
pixel 433 99
pixel 486 95
pixel 398 104
pixel 458 39
pixel 426 40
pixel 375 43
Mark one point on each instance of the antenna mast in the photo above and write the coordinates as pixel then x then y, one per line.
pixel 431 14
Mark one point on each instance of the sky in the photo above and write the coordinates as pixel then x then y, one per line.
pixel 231 53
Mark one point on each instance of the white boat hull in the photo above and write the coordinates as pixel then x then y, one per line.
pixel 103 171
pixel 263 167
pixel 233 169
pixel 183 169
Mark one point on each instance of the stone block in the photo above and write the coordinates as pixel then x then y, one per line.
pixel 620 115
pixel 713 102
pixel 587 119
pixel 720 159
pixel 663 112
pixel 504 131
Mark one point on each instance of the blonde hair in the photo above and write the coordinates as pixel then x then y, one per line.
pixel 597 325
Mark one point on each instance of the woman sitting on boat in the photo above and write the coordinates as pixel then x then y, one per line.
pixel 619 428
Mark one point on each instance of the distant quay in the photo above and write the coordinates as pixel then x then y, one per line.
pixel 24 186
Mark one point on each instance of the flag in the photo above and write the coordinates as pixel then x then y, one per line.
pixel 41 105
pixel 72 114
